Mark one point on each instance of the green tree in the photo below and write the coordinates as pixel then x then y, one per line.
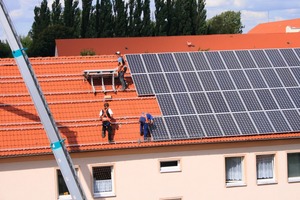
pixel 5 51
pixel 228 22
pixel 86 15
pixel 41 19
pixel 45 44
pixel 147 29
pixel 160 18
pixel 71 16
pixel 120 19
pixel 56 12
pixel 201 26
pixel 105 17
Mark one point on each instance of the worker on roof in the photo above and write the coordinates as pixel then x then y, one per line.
pixel 146 121
pixel 121 70
pixel 106 114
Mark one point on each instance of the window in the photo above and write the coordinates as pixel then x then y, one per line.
pixel 103 181
pixel 170 166
pixel 293 167
pixel 63 192
pixel 265 169
pixel 234 171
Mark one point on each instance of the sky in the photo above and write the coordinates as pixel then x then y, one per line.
pixel 253 12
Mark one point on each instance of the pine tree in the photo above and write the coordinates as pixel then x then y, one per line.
pixel 56 13
pixel 86 15
pixel 41 19
pixel 146 26
pixel 201 26
pixel 105 19
pixel 130 26
pixel 120 15
pixel 71 16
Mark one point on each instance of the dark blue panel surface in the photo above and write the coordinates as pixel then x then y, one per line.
pixel 184 62
pixel 266 99
pixel 296 73
pixel 224 80
pixel 245 59
pixel 151 63
pixel 199 61
pixel 159 83
pixel 256 78
pixel 135 64
pixel 208 81
pixel 295 95
pixel 167 104
pixel 290 57
pixel 159 131
pixel 201 103
pixel 275 58
pixel 278 121
pixel 184 103
pixel 214 60
pixel 240 79
pixel 234 101
pixel 227 124
pixel 260 58
pixel 244 122
pixel 193 126
pixel 176 128
pixel 250 100
pixel 175 82
pixel 230 60
pixel 167 62
pixel 282 98
pixel 192 81
pixel 217 101
pixel 293 119
pixel 271 77
pixel 211 126
pixel 262 123
pixel 142 84
pixel 286 77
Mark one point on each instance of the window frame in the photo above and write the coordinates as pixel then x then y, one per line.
pixel 291 179
pixel 170 169
pixel 267 180
pixel 238 183
pixel 104 194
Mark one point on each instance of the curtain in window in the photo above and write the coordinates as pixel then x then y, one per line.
pixel 265 166
pixel 294 165
pixel 234 169
pixel 102 186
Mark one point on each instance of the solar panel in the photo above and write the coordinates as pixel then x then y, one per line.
pixel 290 57
pixel 159 82
pixel 275 57
pixel 215 60
pixel 245 59
pixel 192 81
pixel 199 61
pixel 175 82
pixel 230 60
pixel 221 93
pixel 142 84
pixel 151 63
pixel 184 62
pixel 260 58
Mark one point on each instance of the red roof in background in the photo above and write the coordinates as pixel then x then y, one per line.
pixel 108 46
pixel 275 27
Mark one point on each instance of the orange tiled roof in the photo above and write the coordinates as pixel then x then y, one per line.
pixel 128 45
pixel 75 109
pixel 275 27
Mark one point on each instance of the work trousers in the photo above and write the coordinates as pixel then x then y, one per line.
pixel 122 80
pixel 107 127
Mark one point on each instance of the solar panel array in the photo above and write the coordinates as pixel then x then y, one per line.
pixel 221 93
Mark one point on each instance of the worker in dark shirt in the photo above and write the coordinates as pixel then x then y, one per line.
pixel 146 121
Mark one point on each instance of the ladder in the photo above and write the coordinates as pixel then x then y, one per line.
pixel 57 143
